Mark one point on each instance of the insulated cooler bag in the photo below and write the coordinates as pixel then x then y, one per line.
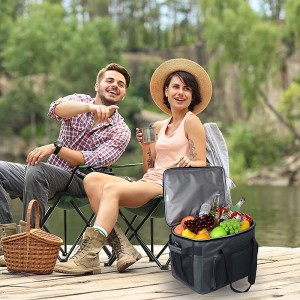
pixel 205 265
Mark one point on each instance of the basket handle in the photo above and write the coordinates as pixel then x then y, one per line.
pixel 34 203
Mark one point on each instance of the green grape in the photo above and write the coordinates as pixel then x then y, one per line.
pixel 232 231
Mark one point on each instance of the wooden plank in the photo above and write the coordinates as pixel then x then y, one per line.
pixel 278 275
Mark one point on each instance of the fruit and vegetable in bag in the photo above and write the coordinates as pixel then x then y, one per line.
pixel 178 229
pixel 231 226
pixel 220 221
pixel 218 232
pixel 188 233
pixel 244 225
pixel 202 236
pixel 186 219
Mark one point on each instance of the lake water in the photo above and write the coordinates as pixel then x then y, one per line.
pixel 276 211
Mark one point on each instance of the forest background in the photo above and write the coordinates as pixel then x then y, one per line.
pixel 251 49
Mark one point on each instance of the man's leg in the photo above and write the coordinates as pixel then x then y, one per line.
pixel 43 181
pixel 11 181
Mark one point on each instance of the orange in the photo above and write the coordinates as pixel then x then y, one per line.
pixel 189 234
pixel 202 236
pixel 244 225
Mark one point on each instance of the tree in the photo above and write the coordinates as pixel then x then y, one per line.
pixel 235 34
pixel 49 53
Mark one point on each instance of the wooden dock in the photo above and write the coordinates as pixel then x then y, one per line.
pixel 278 276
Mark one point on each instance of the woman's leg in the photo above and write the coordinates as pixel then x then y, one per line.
pixel 93 184
pixel 125 253
pixel 114 195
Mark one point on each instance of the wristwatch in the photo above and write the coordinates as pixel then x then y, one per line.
pixel 58 145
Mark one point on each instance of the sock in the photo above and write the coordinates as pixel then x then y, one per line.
pixel 100 229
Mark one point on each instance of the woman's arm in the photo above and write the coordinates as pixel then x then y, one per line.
pixel 195 134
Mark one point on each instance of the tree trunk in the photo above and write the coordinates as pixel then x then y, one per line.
pixel 279 116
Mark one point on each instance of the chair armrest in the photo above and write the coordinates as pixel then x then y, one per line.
pixel 126 165
pixel 107 170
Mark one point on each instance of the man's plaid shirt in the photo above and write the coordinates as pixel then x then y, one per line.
pixel 100 146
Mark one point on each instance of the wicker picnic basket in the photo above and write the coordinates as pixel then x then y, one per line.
pixel 33 251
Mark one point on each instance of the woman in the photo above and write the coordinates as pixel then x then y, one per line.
pixel 182 89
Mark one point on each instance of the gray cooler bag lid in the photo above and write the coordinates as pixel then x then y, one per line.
pixel 186 189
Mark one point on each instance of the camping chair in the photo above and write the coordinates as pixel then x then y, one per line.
pixel 67 202
pixel 151 210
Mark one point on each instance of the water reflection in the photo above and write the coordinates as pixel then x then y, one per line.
pixel 276 211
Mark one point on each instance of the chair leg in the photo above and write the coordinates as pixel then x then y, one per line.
pixel 65 231
pixel 151 235
pixel 135 234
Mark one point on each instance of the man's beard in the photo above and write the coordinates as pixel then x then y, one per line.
pixel 106 101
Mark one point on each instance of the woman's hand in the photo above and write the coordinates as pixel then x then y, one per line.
pixel 183 161
pixel 139 135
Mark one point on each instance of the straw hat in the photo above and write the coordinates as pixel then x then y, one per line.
pixel 180 64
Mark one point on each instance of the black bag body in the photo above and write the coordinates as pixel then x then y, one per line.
pixel 205 265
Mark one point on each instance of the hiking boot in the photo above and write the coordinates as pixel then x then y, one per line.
pixel 126 254
pixel 86 260
pixel 2 261
pixel 18 229
pixel 6 230
pixel 21 226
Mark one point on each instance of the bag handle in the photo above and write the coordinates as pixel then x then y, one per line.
pixel 252 273
pixel 34 203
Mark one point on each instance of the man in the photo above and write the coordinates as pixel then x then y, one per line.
pixel 93 133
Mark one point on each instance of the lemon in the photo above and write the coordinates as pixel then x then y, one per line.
pixel 189 234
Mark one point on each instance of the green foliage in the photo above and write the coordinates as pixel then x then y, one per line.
pixel 55 48
pixel 56 55
pixel 252 147
pixel 142 78
pixel 89 48
pixel 33 40
pixel 292 13
pixel 236 35
pixel 290 103
pixel 23 111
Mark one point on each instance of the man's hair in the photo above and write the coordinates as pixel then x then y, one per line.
pixel 117 68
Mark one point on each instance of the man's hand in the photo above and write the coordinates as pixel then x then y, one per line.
pixel 102 112
pixel 38 154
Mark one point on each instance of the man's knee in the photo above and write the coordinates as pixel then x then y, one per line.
pixel 34 174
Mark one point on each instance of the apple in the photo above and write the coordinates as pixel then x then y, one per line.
pixel 218 232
